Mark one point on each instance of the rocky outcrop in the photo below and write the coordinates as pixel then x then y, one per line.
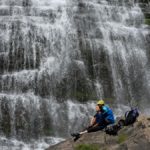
pixel 129 138
pixel 145 6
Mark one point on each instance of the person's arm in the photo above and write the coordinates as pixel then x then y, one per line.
pixel 93 121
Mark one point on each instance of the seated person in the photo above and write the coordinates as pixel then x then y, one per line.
pixel 103 117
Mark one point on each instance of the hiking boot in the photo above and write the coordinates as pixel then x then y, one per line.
pixel 76 136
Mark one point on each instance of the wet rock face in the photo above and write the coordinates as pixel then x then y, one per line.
pixel 130 137
pixel 88 53
pixel 145 6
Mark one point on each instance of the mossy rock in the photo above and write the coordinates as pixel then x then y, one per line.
pixel 87 147
pixel 83 96
pixel 147 21
pixel 122 138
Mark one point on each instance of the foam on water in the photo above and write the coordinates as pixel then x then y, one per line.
pixel 41 144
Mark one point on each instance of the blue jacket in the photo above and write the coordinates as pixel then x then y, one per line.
pixel 107 114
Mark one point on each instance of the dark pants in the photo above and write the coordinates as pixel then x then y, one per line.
pixel 97 128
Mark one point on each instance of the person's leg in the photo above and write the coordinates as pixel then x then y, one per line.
pixel 82 132
pixel 86 129
pixel 95 129
pixel 78 135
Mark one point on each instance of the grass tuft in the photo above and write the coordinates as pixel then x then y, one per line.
pixel 87 147
pixel 122 138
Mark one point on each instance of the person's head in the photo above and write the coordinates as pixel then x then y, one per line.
pixel 100 103
pixel 97 108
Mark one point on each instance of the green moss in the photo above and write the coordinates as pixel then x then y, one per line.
pixel 84 95
pixel 122 138
pixel 87 147
pixel 147 21
pixel 47 132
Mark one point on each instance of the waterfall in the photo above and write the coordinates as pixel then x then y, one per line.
pixel 58 56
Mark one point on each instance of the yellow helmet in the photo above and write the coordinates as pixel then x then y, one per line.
pixel 100 102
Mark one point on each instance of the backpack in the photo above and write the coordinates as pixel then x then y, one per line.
pixel 112 130
pixel 131 116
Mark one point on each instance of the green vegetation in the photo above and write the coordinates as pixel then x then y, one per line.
pixel 87 147
pixel 47 131
pixel 147 21
pixel 84 95
pixel 122 138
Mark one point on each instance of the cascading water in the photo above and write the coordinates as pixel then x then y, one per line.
pixel 54 53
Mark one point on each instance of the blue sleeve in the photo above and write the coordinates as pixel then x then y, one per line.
pixel 110 116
